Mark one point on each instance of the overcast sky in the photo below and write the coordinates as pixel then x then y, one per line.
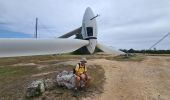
pixel 122 23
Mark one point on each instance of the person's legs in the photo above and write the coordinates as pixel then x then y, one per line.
pixel 88 78
pixel 83 77
pixel 77 85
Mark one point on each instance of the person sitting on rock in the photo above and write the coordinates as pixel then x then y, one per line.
pixel 81 73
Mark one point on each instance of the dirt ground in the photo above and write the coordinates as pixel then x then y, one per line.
pixel 127 80
pixel 147 79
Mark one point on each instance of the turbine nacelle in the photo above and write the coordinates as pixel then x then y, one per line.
pixel 89 29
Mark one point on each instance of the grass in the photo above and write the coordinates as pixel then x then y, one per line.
pixel 16 71
pixel 35 59
pixel 132 57
pixel 15 77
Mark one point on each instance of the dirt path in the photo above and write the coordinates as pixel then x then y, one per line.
pixel 146 80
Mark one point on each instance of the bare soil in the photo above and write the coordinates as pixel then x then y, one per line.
pixel 144 80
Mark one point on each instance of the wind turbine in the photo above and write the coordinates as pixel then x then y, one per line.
pixel 12 47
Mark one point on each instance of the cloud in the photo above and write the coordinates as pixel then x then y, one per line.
pixel 122 24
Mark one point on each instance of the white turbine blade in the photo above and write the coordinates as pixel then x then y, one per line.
pixel 69 34
pixel 109 50
pixel 28 47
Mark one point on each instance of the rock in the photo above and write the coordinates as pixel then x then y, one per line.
pixel 35 88
pixel 49 84
pixel 67 79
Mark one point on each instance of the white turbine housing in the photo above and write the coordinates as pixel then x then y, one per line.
pixel 89 29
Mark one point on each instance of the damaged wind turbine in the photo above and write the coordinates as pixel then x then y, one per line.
pixel 86 36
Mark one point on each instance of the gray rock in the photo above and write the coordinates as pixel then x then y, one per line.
pixel 37 87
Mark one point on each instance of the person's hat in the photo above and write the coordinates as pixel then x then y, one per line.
pixel 83 60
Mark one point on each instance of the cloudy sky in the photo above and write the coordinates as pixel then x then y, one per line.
pixel 122 23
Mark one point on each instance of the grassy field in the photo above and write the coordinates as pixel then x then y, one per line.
pixel 133 57
pixel 17 73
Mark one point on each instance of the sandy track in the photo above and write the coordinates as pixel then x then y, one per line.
pixel 146 80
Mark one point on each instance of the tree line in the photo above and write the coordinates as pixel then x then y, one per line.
pixel 146 51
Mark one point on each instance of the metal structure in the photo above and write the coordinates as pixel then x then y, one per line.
pixel 36 28
pixel 159 41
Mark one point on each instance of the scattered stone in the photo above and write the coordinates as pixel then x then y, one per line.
pixel 64 78
pixel 35 88
pixel 49 84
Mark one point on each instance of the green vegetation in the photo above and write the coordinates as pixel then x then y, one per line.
pixel 146 51
pixel 44 58
pixel 17 73
pixel 129 57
